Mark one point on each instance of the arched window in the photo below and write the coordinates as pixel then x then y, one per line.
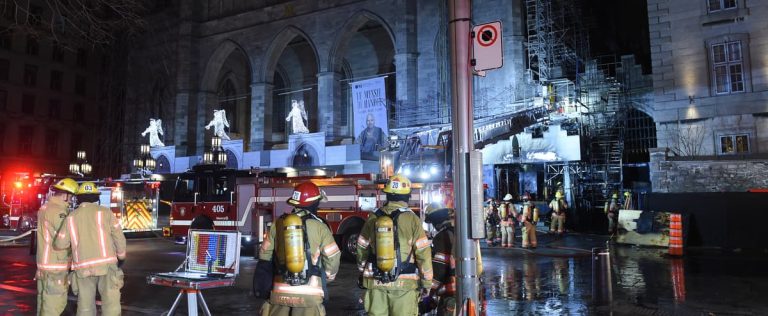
pixel 228 102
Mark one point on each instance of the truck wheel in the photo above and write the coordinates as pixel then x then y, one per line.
pixel 349 244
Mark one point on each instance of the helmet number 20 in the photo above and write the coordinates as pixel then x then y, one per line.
pixel 217 208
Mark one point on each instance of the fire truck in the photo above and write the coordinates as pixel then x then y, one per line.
pixel 27 195
pixel 210 197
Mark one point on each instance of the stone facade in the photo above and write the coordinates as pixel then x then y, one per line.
pixel 310 50
pixel 676 175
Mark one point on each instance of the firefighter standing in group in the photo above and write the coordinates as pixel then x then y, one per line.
pixel 52 264
pixel 394 255
pixel 558 207
pixel 306 254
pixel 508 215
pixel 98 250
pixel 491 224
pixel 611 211
pixel 528 219
pixel 443 262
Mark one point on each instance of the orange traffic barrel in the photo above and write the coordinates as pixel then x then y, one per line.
pixel 675 235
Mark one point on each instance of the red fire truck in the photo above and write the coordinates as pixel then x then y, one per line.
pixel 248 201
pixel 26 196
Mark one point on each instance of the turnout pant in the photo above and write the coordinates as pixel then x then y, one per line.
pixel 508 236
pixel 52 292
pixel 391 302
pixel 529 235
pixel 281 310
pixel 108 287
pixel 558 222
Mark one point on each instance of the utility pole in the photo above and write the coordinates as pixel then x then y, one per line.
pixel 464 248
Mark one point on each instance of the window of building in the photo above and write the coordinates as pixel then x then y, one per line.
pixel 28 104
pixel 80 85
pixel 727 67
pixel 5 68
pixel 51 143
pixel 54 108
pixel 734 144
pixel 26 137
pixel 32 46
pixel 6 38
pixel 718 5
pixel 78 112
pixel 57 52
pixel 56 78
pixel 3 99
pixel 82 58
pixel 30 75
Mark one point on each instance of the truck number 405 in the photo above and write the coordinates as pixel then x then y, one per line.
pixel 217 209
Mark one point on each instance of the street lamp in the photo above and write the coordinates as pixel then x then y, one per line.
pixel 80 166
pixel 144 164
pixel 217 155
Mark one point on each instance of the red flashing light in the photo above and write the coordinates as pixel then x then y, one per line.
pixel 18 184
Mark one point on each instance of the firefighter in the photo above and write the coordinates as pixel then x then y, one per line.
pixel 308 248
pixel 443 262
pixel 628 205
pixel 611 210
pixel 393 255
pixel 98 251
pixel 491 224
pixel 508 215
pixel 558 206
pixel 528 219
pixel 53 265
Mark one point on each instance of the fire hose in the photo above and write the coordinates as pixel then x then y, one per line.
pixel 18 237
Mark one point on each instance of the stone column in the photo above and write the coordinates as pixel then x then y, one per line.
pixel 329 103
pixel 407 79
pixel 207 101
pixel 181 132
pixel 261 115
pixel 658 168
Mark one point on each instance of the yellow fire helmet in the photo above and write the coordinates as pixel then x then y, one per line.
pixel 615 196
pixel 626 193
pixel 558 194
pixel 87 188
pixel 398 184
pixel 66 185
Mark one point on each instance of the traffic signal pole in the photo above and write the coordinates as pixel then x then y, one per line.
pixel 464 248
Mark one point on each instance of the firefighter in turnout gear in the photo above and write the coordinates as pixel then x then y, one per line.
pixel 305 254
pixel 612 211
pixel 558 206
pixel 52 264
pixel 443 262
pixel 528 219
pixel 492 236
pixel 98 249
pixel 393 255
pixel 508 214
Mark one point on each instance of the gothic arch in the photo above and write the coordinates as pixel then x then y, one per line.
pixel 163 165
pixel 209 80
pixel 276 48
pixel 304 156
pixel 349 29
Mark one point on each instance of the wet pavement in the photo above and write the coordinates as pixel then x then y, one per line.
pixel 554 279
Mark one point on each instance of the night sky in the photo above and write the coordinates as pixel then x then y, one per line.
pixel 620 28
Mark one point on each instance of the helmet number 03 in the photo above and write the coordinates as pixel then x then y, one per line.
pixel 217 208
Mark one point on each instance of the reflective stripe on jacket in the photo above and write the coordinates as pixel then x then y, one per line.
pixel 412 239
pixel 444 263
pixel 324 251
pixel 49 221
pixel 96 238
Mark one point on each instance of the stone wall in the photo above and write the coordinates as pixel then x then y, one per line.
pixel 725 174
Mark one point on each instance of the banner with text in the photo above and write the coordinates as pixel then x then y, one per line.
pixel 369 105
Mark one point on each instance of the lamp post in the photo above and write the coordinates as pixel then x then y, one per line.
pixel 144 163
pixel 217 155
pixel 80 166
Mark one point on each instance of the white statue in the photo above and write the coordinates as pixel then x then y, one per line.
pixel 219 122
pixel 155 128
pixel 297 116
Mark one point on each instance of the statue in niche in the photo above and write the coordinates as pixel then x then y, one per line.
pixel 155 128
pixel 297 116
pixel 219 122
